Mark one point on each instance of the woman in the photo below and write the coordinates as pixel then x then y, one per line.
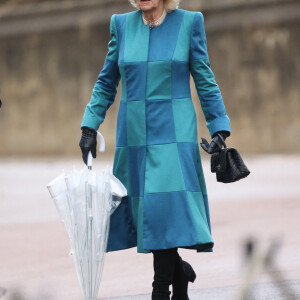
pixel 154 49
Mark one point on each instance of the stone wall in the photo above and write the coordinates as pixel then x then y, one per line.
pixel 254 52
pixel 52 53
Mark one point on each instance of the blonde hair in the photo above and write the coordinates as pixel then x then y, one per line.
pixel 169 4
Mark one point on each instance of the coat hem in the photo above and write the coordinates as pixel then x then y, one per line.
pixel 208 247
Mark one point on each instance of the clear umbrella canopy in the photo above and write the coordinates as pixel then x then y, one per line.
pixel 85 200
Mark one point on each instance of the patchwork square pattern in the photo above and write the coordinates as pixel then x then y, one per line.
pixel 196 204
pixel 157 155
pixel 120 166
pixel 121 136
pixel 136 123
pixel 123 79
pixel 182 49
pixel 200 171
pixel 137 162
pixel 188 159
pixel 180 80
pixel 137 211
pixel 163 170
pixel 185 120
pixel 168 221
pixel 207 210
pixel 159 80
pixel 160 123
pixel 135 74
pixel 135 201
pixel 122 234
pixel 136 38
pixel 162 39
pixel 120 23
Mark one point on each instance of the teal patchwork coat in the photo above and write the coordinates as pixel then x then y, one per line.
pixel 157 154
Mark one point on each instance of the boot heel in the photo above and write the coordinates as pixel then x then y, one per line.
pixel 192 276
pixel 189 271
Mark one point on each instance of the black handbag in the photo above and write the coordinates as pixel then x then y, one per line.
pixel 228 165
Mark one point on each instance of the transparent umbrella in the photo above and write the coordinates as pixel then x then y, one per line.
pixel 85 200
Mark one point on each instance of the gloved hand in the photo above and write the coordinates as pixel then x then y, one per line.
pixel 88 142
pixel 216 143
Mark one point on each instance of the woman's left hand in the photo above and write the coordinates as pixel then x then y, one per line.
pixel 216 144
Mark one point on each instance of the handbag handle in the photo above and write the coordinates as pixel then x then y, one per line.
pixel 223 142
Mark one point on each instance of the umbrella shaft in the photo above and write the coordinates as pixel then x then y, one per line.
pixel 90 255
pixel 89 219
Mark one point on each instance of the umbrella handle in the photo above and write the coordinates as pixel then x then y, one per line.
pixel 101 149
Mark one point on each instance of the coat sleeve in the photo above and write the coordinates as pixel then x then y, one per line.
pixel 105 88
pixel 207 89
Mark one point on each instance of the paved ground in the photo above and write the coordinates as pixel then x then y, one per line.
pixel 34 246
pixel 260 291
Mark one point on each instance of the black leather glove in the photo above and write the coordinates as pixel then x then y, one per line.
pixel 216 143
pixel 88 142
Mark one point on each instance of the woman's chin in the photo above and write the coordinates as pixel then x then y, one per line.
pixel 146 6
pixel 146 9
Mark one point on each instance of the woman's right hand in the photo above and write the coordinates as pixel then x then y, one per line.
pixel 88 142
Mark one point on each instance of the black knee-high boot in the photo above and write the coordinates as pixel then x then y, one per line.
pixel 164 262
pixel 183 274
